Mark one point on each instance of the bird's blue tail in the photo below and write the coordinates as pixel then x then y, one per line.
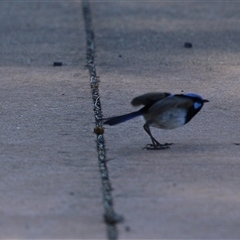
pixel 119 119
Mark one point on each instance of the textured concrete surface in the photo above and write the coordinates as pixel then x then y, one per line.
pixel 190 191
pixel 50 185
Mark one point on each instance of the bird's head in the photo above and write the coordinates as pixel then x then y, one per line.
pixel 198 100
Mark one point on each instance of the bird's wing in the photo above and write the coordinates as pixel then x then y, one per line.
pixel 163 105
pixel 149 99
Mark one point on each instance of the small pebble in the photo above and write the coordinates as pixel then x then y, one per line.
pixel 98 130
pixel 57 64
pixel 188 45
pixel 127 228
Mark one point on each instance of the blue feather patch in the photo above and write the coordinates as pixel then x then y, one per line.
pixel 197 105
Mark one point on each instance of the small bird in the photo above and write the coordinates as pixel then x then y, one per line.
pixel 162 110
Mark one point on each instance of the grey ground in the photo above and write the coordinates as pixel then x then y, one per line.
pixel 50 183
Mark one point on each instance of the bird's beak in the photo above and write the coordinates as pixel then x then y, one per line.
pixel 205 100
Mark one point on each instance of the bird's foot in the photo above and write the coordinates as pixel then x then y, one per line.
pixel 158 146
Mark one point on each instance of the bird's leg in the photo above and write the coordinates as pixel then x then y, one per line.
pixel 155 144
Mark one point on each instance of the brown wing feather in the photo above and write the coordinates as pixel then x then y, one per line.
pixel 149 98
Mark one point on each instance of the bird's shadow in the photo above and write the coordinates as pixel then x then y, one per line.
pixel 176 149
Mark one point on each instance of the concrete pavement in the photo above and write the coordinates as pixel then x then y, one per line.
pixel 50 182
pixel 190 191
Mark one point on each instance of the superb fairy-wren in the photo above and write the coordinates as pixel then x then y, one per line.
pixel 162 110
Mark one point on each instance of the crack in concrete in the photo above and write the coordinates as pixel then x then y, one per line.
pixel 110 217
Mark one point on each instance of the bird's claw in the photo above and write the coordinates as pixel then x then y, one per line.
pixel 158 146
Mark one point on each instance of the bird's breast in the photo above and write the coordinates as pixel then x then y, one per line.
pixel 172 118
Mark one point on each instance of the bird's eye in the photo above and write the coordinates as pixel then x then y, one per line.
pixel 197 105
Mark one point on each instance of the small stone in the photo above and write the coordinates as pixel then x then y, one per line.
pixel 188 45
pixel 98 130
pixel 57 64
pixel 127 229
